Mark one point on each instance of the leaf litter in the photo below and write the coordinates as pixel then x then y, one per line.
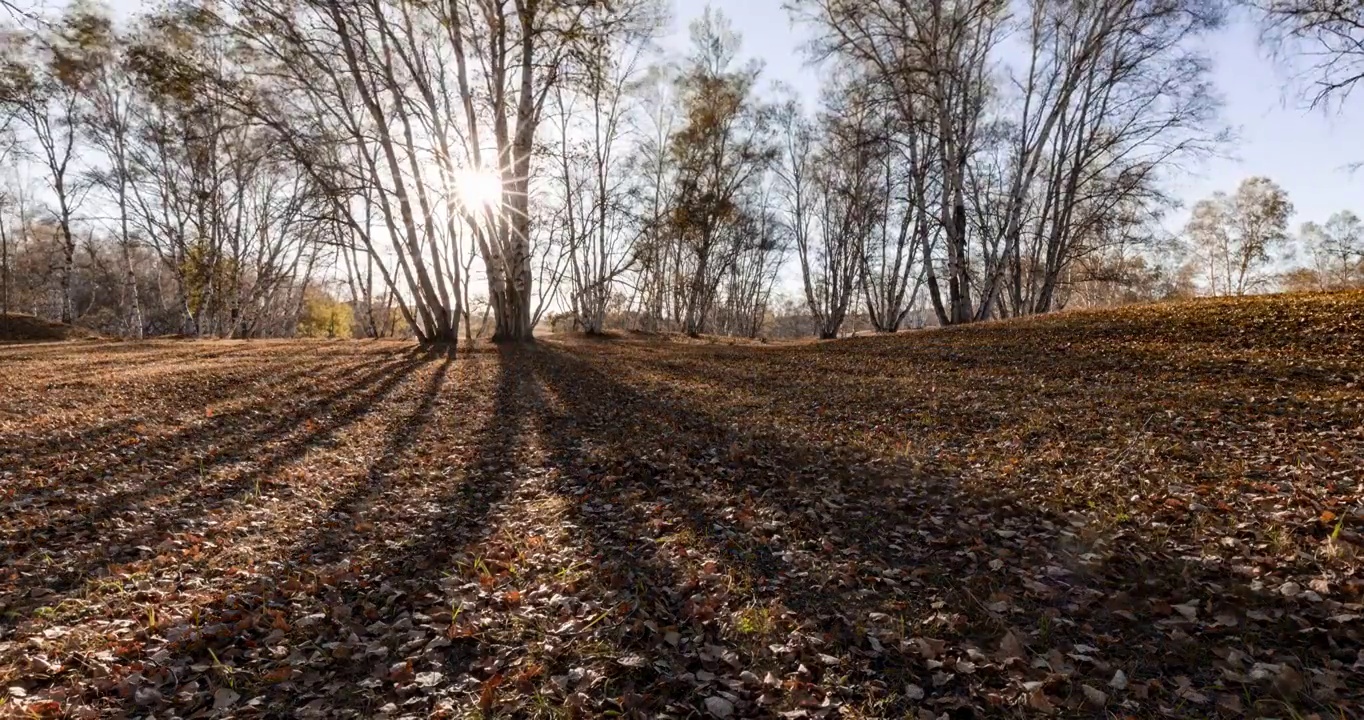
pixel 1145 512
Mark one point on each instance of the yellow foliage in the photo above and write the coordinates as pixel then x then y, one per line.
pixel 325 317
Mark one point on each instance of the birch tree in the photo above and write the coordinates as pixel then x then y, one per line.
pixel 108 123
pixel 1336 250
pixel 1323 39
pixel 831 174
pixel 597 123
pixel 723 150
pixel 40 84
pixel 1233 236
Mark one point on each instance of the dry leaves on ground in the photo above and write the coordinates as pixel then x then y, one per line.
pixel 1144 512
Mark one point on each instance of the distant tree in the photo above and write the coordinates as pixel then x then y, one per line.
pixel 763 241
pixel 107 122
pixel 1025 160
pixel 325 316
pixel 722 153
pixel 832 173
pixel 1259 213
pixel 1301 279
pixel 595 123
pixel 1232 236
pixel 1335 250
pixel 4 263
pixel 653 193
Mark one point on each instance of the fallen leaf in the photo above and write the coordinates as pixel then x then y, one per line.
pixel 1010 647
pixel 428 679
pixel 632 661
pixel 278 675
pixel 1038 700
pixel 224 698
pixel 1119 681
pixel 719 707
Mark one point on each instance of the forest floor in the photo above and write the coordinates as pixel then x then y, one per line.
pixel 18 327
pixel 1146 512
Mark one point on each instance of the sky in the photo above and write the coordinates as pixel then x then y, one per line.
pixel 1306 152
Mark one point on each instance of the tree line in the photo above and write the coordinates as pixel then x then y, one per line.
pixel 259 168
pixel 1240 243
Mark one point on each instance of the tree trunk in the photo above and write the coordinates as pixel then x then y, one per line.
pixel 135 322
pixel 960 281
pixel 4 270
pixel 511 308
pixel 68 269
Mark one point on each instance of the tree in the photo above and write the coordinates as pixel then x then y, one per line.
pixel 1021 163
pixel 596 120
pixel 4 261
pixel 41 83
pixel 356 85
pixel 107 122
pixel 763 241
pixel 203 184
pixel 6 243
pixel 1326 36
pixel 1336 250
pixel 722 153
pixel 434 108
pixel 652 194
pixel 324 316
pixel 831 174
pixel 522 55
pixel 930 60
pixel 891 277
pixel 1233 236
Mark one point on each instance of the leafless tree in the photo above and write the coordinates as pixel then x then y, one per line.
pixel 1029 174
pixel 106 118
pixel 596 120
pixel 41 75
pixel 831 172
pixel 1336 250
pixel 1323 38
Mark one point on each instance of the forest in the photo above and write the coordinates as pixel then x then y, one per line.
pixel 254 169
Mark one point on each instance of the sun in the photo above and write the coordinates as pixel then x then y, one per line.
pixel 478 189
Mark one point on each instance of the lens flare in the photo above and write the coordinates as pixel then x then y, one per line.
pixel 478 189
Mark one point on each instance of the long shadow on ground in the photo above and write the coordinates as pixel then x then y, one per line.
pixel 707 557
pixel 365 586
pixel 169 482
pixel 807 561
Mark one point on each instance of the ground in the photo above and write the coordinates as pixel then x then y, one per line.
pixel 1135 513
pixel 16 327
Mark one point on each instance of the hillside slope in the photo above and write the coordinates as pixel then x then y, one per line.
pixel 1145 512
pixel 1181 481
pixel 27 328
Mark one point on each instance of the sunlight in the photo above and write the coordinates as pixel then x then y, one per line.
pixel 478 189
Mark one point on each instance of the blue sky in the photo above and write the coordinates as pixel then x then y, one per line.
pixel 1304 151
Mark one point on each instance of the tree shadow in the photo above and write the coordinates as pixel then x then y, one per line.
pixel 61 368
pixel 358 592
pixel 721 539
pixel 122 436
pixel 194 472
pixel 862 556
